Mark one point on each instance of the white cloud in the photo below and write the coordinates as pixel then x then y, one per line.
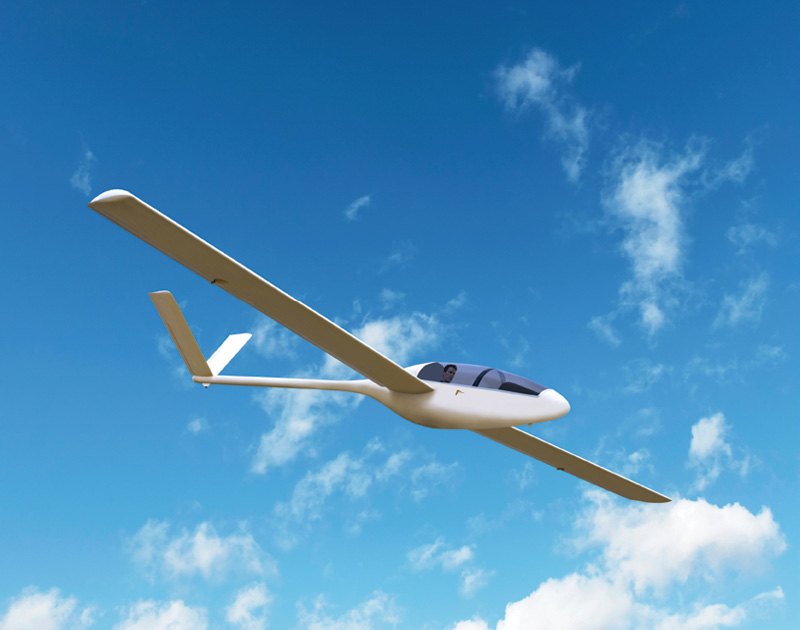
pixel 197 425
pixel 601 326
pixel 708 438
pixel 642 374
pixel 351 212
pixel 273 340
pixel 401 337
pixel 747 306
pixel 473 579
pixel 766 353
pixel 390 298
pixel 710 452
pixel 428 476
pixel 380 611
pixel 250 607
pixel 346 474
pixel 746 235
pixel 401 254
pixel 438 555
pixel 643 551
pixel 654 548
pixel 34 610
pixel 589 602
pixel 174 615
pixel 81 179
pixel 576 602
pixel 393 465
pixel 300 413
pixel 735 171
pixel 647 198
pixel 201 552
pixel 539 81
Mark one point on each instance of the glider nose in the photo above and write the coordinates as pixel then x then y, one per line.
pixel 558 404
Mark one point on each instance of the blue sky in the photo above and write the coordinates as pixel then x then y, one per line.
pixel 602 199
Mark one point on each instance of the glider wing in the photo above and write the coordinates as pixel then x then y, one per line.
pixel 172 239
pixel 563 460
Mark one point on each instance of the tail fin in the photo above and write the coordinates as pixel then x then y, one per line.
pixel 227 351
pixel 184 340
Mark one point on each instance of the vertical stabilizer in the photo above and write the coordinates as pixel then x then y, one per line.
pixel 182 337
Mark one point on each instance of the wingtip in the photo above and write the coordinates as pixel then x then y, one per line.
pixel 115 194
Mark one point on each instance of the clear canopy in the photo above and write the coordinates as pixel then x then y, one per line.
pixel 479 376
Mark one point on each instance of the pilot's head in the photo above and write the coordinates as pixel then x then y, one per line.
pixel 448 373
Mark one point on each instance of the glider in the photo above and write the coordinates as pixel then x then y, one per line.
pixel 488 401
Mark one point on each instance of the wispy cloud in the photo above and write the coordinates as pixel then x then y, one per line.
pixel 351 477
pixel 710 451
pixel 197 425
pixel 438 555
pixel 647 199
pixel 747 235
pixel 250 607
pixel 201 552
pixel 400 255
pixel 377 612
pixel 273 340
pixel 81 179
pixel 351 212
pixel 391 298
pixel 747 306
pixel 426 478
pixel 601 325
pixel 642 374
pixel 540 81
pixel 174 615
pixel 648 194
pixel 50 610
pixel 299 413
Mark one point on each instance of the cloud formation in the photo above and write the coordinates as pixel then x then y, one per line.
pixel 745 236
pixel 643 552
pixel 174 615
pixel 351 212
pixel 81 179
pixel 250 607
pixel 299 413
pixel 201 552
pixel 747 306
pixel 437 555
pixel 647 199
pixel 710 452
pixel 539 81
pixel 352 477
pixel 377 612
pixel 45 611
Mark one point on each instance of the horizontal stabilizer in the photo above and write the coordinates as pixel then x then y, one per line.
pixel 182 337
pixel 563 460
pixel 227 351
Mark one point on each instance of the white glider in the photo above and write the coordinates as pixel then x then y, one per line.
pixel 490 402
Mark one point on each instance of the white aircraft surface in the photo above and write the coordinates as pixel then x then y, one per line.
pixel 490 402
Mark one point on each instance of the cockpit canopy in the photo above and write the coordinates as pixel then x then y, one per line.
pixel 480 376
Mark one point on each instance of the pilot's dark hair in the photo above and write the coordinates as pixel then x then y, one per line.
pixel 450 365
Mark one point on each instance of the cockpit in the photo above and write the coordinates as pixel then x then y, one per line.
pixel 469 375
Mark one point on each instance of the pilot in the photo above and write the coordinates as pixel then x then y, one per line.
pixel 448 373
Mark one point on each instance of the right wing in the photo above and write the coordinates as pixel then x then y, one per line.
pixel 174 240
pixel 563 460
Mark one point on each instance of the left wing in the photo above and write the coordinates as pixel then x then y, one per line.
pixel 563 460
pixel 174 240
